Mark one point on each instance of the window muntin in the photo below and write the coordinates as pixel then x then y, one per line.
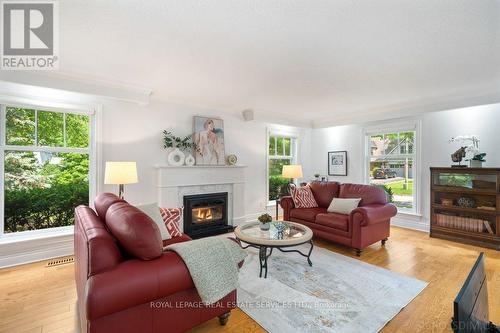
pixel 391 164
pixel 281 152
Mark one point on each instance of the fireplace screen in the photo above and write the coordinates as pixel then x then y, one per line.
pixel 207 214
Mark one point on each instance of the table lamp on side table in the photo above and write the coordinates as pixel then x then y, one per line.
pixel 292 172
pixel 120 173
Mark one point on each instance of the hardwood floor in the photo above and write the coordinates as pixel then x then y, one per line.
pixel 34 298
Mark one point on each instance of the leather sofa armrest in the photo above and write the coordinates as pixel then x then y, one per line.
pixel 135 282
pixel 287 204
pixel 372 214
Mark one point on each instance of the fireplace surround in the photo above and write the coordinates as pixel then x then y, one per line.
pixel 206 214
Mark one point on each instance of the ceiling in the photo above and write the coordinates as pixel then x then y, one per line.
pixel 315 61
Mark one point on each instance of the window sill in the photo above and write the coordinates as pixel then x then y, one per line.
pixel 409 215
pixel 35 235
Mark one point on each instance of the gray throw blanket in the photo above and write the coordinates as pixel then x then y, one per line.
pixel 213 264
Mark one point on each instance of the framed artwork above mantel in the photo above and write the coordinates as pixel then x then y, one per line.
pixel 337 163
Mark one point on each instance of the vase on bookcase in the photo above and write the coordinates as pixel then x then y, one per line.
pixel 476 164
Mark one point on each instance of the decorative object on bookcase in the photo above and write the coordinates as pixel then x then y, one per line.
pixel 457 158
pixel 474 216
pixel 466 202
pixel 477 161
pixel 470 152
pixel 316 176
pixel 446 202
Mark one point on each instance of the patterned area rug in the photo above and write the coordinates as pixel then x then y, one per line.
pixel 337 294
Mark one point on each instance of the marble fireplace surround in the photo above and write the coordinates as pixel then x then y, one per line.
pixel 173 183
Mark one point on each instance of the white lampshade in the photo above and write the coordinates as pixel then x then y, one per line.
pixel 120 173
pixel 292 171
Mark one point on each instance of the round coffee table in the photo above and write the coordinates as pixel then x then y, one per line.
pixel 281 234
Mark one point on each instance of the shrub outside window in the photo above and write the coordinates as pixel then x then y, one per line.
pixel 46 167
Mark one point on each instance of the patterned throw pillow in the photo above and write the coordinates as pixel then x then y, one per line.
pixel 172 219
pixel 303 197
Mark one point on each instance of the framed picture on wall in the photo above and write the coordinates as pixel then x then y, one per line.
pixel 209 138
pixel 337 163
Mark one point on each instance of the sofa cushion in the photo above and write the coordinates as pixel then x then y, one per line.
pixel 135 231
pixel 334 220
pixel 153 211
pixel 308 214
pixel 172 220
pixel 303 197
pixel 343 205
pixel 103 201
pixel 369 194
pixel 324 192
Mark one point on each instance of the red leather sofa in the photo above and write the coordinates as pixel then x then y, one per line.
pixel 366 225
pixel 117 293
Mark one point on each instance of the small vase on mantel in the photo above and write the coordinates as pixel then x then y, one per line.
pixel 190 161
pixel 176 157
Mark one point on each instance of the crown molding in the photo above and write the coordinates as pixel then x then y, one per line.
pixel 67 87
pixel 414 108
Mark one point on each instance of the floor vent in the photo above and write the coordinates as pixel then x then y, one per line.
pixel 60 261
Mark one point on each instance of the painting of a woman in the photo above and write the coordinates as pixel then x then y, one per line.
pixel 209 138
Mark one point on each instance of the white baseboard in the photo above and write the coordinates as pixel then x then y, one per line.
pixel 27 251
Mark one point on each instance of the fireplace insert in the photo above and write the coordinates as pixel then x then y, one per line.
pixel 206 215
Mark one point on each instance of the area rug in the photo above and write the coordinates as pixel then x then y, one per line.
pixel 337 294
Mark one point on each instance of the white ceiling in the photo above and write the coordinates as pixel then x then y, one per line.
pixel 308 60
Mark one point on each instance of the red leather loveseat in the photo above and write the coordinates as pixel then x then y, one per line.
pixel 119 293
pixel 365 225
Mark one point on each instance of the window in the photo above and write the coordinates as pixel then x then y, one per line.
pixel 391 161
pixel 281 151
pixel 46 167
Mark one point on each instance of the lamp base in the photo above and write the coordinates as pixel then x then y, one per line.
pixel 121 191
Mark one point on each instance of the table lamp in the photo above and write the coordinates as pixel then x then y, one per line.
pixel 120 173
pixel 292 172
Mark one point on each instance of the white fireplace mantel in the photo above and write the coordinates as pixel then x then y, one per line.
pixel 174 183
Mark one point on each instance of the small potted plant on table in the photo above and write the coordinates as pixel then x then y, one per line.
pixel 265 220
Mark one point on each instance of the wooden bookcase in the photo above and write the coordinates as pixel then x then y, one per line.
pixel 476 225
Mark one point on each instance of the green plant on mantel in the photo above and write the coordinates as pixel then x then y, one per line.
pixel 172 141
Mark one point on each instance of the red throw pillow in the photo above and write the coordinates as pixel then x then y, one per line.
pixel 303 197
pixel 136 232
pixel 172 219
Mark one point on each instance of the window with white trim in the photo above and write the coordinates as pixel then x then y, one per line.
pixel 281 151
pixel 391 160
pixel 46 167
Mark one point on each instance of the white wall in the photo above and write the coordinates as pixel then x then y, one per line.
pixel 436 129
pixel 134 133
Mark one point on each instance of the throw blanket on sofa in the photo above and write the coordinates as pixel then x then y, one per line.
pixel 213 264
